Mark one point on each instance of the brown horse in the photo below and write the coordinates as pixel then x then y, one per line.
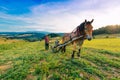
pixel 84 30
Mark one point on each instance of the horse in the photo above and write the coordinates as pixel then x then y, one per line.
pixel 85 30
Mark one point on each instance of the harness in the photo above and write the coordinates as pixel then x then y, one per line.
pixel 76 34
pixel 68 42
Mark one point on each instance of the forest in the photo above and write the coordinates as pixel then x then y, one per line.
pixel 110 29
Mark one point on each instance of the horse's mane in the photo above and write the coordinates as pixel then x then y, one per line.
pixel 81 27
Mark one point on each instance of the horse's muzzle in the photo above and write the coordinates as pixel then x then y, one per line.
pixel 89 37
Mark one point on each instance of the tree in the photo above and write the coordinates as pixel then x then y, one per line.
pixel 110 29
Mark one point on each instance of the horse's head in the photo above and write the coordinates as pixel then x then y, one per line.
pixel 88 28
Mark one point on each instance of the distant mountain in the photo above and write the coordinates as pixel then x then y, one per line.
pixel 29 35
pixel 53 35
pixel 43 32
pixel 61 34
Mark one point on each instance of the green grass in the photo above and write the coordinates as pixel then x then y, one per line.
pixel 109 44
pixel 29 61
pixel 102 36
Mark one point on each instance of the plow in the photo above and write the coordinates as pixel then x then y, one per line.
pixel 57 46
pixel 67 38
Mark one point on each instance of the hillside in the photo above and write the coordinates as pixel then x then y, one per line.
pixel 29 36
pixel 29 61
pixel 110 29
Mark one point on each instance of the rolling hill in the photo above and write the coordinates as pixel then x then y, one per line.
pixel 29 36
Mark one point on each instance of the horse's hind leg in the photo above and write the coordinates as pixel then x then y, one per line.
pixel 64 49
pixel 78 54
pixel 60 49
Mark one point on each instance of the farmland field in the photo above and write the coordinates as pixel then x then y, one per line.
pixel 21 60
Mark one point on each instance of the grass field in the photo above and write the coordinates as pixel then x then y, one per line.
pixel 7 41
pixel 100 60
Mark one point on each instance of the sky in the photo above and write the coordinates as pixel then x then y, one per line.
pixel 56 15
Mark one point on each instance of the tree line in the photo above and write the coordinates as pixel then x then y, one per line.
pixel 110 29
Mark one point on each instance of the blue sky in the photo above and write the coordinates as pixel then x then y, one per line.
pixel 56 15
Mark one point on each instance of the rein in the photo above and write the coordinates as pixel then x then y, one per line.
pixel 68 42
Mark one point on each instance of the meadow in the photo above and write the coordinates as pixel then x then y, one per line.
pixel 22 60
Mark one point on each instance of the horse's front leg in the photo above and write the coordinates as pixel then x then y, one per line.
pixel 72 56
pixel 80 46
pixel 78 53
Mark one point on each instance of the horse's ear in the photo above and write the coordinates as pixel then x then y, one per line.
pixel 92 20
pixel 85 20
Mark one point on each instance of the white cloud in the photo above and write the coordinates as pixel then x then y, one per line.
pixel 65 17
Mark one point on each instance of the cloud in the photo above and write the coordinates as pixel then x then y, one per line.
pixel 64 17
pixel 72 14
pixel 3 8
